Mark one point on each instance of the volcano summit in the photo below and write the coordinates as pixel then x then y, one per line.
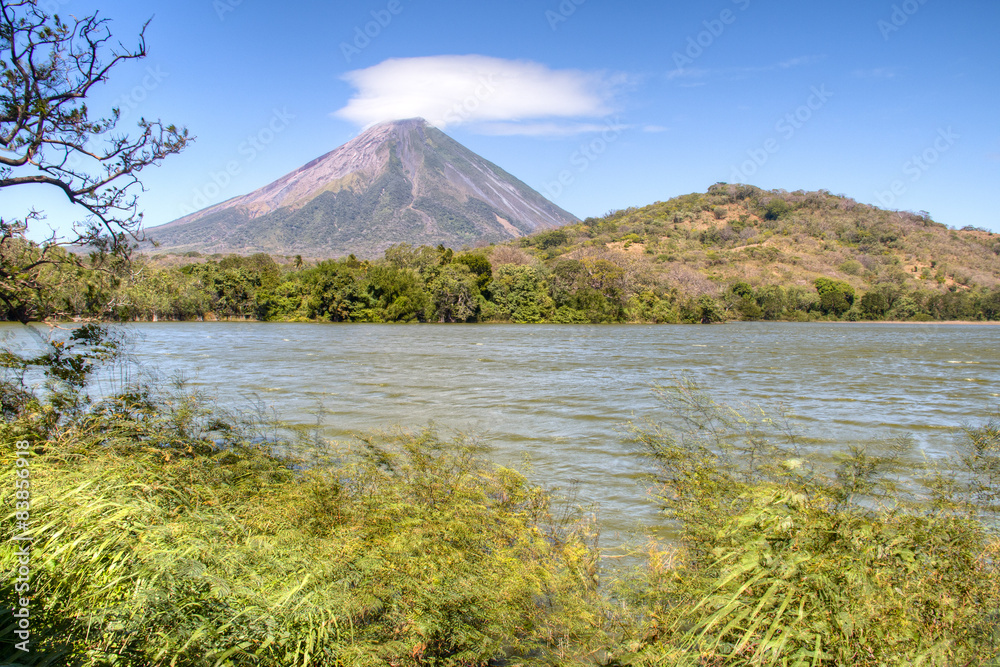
pixel 397 182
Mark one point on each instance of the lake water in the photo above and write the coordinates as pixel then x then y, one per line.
pixel 559 395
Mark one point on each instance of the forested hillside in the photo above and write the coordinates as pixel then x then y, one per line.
pixel 733 253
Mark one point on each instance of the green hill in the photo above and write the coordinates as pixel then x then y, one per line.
pixel 742 238
pixel 735 252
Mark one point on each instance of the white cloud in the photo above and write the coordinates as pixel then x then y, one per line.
pixel 877 73
pixel 738 72
pixel 689 73
pixel 549 129
pixel 794 62
pixel 473 89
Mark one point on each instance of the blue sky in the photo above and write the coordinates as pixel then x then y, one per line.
pixel 599 105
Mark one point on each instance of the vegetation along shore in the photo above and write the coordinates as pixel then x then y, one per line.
pixel 163 532
pixel 733 253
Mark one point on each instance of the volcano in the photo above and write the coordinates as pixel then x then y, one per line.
pixel 397 182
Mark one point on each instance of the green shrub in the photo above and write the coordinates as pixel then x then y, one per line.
pixel 520 294
pixel 775 209
pixel 772 301
pixel 567 315
pixel 851 267
pixel 905 308
pixel 875 304
pixel 164 535
pixel 480 266
pixel 648 307
pixel 547 240
pixel 749 309
pixel 742 289
pixel 782 562
pixel 703 310
pixel 835 296
pixel 411 550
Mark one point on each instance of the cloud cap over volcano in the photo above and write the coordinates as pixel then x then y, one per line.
pixel 474 89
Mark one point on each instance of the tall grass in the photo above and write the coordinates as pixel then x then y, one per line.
pixel 166 535
pixel 163 536
pixel 785 563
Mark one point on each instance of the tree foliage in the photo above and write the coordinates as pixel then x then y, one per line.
pixel 48 68
pixel 836 297
pixel 424 284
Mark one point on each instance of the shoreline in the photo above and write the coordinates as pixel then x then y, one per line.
pixel 57 323
pixel 931 322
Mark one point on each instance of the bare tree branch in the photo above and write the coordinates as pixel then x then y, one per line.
pixel 47 69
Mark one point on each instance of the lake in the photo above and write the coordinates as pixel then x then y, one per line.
pixel 552 400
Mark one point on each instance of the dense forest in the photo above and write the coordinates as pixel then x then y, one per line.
pixel 733 253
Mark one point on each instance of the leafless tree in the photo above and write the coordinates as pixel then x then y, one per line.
pixel 505 254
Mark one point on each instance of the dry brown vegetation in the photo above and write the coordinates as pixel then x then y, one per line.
pixel 741 233
pixel 733 253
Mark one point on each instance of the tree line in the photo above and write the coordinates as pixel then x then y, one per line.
pixel 427 284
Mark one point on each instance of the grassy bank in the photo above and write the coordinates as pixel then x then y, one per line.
pixel 165 533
